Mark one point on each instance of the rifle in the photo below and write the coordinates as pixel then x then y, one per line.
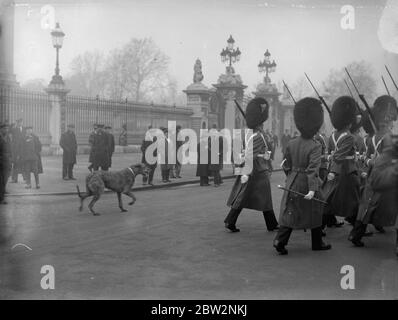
pixel 240 109
pixel 301 194
pixel 319 96
pixel 385 86
pixel 392 79
pixel 352 96
pixel 287 88
pixel 362 97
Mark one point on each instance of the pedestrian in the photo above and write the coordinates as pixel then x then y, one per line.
pixel 252 188
pixel 179 143
pixel 146 142
pixel 111 143
pixel 100 152
pixel 5 160
pixel 377 204
pixel 216 161
pixel 341 188
pixel 17 142
pixel 303 160
pixel 31 157
pixel 68 144
pixel 90 143
pixel 123 136
pixel 203 160
pixel 164 160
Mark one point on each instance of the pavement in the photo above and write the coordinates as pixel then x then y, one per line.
pixel 172 244
pixel 51 182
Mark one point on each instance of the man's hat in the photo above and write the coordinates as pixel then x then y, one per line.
pixel 308 116
pixel 100 126
pixel 108 127
pixel 71 125
pixel 344 112
pixel 254 114
pixel 28 127
pixel 385 109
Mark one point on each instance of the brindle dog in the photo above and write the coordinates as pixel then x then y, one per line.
pixel 121 182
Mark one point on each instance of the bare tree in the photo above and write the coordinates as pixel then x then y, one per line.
pixel 87 77
pixel 362 74
pixel 137 69
pixel 34 84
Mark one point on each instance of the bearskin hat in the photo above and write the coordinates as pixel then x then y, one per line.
pixel 366 124
pixel 358 122
pixel 384 109
pixel 308 116
pixel 254 114
pixel 344 111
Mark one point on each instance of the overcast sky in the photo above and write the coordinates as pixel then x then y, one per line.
pixel 301 35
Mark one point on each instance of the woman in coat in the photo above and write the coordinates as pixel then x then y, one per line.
pixel 302 163
pixel 252 189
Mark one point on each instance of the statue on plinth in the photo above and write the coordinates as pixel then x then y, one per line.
pixel 198 75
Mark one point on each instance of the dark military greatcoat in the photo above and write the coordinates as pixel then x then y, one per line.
pixel 342 193
pixel 303 160
pixel 256 193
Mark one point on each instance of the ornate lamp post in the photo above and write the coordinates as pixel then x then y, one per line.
pixel 229 55
pixel 57 37
pixel 267 66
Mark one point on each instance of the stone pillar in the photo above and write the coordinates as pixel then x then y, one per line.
pixel 57 125
pixel 198 100
pixel 230 87
pixel 7 76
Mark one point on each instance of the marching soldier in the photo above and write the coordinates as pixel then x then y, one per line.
pixel 68 144
pixel 303 160
pixel 341 188
pixel 252 189
pixel 376 203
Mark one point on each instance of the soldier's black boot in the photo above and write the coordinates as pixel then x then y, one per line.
pixel 316 238
pixel 281 240
pixel 357 233
pixel 231 218
pixel 270 220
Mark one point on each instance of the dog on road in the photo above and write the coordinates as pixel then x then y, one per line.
pixel 120 182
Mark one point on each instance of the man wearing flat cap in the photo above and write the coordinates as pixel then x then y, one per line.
pixel 17 141
pixel 68 144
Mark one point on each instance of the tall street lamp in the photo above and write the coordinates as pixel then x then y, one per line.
pixel 229 55
pixel 267 66
pixel 58 38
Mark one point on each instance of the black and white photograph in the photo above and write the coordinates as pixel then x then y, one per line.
pixel 183 151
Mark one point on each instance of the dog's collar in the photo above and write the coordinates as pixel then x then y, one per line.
pixel 132 171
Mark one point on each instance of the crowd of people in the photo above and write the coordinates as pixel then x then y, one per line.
pixel 346 175
pixel 20 152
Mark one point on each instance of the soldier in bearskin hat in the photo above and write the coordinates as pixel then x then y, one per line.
pixel 252 189
pixel 302 163
pixel 341 188
pixel 378 206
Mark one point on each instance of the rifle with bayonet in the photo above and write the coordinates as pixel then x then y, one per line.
pixel 392 79
pixel 385 86
pixel 319 96
pixel 362 97
pixel 287 88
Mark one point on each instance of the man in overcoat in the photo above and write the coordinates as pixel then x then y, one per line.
pixel 90 143
pixel 252 188
pixel 31 157
pixel 111 144
pixel 303 160
pixel 146 142
pixel 68 144
pixel 17 142
pixel 100 152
